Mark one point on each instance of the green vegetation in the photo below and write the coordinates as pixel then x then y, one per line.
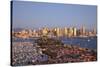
pixel 48 41
pixel 50 44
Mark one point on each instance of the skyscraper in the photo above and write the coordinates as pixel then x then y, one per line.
pixel 65 31
pixel 59 32
pixel 45 31
pixel 70 32
pixel 82 31
pixel 74 31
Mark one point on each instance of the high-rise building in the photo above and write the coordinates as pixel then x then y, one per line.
pixel 45 31
pixel 70 32
pixel 34 33
pixel 30 32
pixel 24 32
pixel 54 30
pixel 82 31
pixel 74 31
pixel 58 32
pixel 65 31
pixel 94 32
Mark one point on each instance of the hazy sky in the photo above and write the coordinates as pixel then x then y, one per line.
pixel 37 14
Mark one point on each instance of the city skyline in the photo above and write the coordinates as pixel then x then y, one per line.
pixel 52 33
pixel 39 14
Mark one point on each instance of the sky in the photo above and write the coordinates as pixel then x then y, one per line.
pixel 40 14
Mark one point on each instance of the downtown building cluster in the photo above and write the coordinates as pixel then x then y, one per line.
pixel 55 32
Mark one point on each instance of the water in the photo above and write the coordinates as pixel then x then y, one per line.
pixel 87 42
